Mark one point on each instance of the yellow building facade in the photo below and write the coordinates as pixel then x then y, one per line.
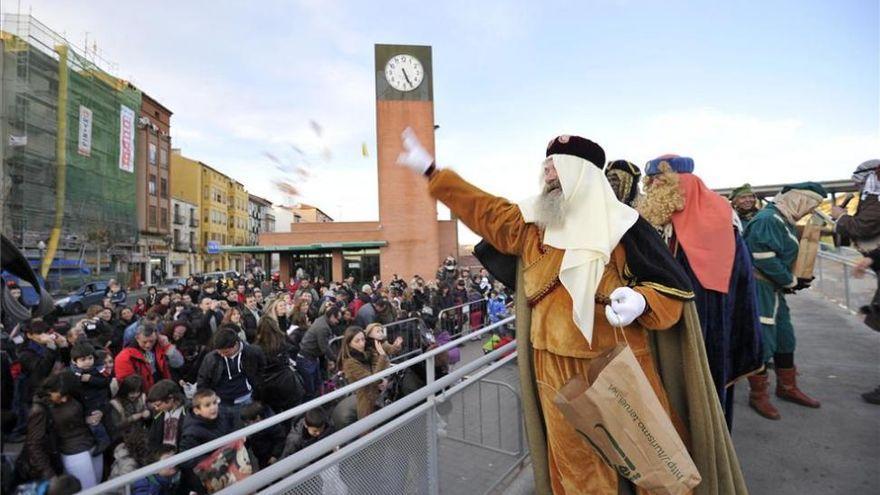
pixel 215 216
pixel 188 246
pixel 237 212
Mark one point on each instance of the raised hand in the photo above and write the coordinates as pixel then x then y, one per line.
pixel 414 155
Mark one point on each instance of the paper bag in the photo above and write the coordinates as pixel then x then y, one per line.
pixel 225 466
pixel 619 415
pixel 808 248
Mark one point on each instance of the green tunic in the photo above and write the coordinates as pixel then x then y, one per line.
pixel 774 245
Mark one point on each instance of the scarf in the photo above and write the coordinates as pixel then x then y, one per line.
pixel 705 230
pixel 796 203
pixel 171 426
pixel 594 223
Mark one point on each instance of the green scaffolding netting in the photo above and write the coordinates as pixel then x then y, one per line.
pixel 100 198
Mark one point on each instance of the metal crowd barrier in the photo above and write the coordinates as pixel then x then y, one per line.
pixel 463 318
pixel 835 280
pixel 424 398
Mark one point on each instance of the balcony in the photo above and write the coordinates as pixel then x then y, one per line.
pixel 193 222
pixel 178 219
pixel 182 246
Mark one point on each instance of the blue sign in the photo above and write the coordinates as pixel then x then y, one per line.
pixel 213 247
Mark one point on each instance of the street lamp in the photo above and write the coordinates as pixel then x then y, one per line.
pixel 42 247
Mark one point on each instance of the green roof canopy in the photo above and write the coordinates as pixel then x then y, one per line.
pixel 321 246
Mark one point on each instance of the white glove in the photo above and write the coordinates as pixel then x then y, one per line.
pixel 414 155
pixel 626 305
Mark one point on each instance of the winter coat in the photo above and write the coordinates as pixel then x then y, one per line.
pixel 299 437
pixel 865 224
pixel 37 363
pixel 316 342
pixel 356 369
pixel 40 457
pixel 122 412
pixel 156 434
pixel 365 315
pixel 74 435
pixel 132 361
pixel 216 368
pixel 123 462
pixel 198 431
pixel 249 322
pixel 103 335
pixel 267 443
pixel 96 391
pixel 156 485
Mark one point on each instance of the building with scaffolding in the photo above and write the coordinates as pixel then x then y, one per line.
pixel 68 181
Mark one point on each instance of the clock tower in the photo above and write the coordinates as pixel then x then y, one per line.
pixel 407 213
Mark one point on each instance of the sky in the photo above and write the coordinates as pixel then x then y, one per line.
pixel 761 92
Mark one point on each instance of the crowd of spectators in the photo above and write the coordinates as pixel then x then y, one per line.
pixel 133 382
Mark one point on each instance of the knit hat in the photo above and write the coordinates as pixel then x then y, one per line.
pixel 579 147
pixel 741 191
pixel 678 164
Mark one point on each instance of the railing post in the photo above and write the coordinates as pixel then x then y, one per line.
pixel 431 422
pixel 846 284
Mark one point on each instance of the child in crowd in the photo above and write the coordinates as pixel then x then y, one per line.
pixel 129 407
pixel 267 445
pixel 95 387
pixel 167 399
pixel 165 482
pixel 312 427
pixel 103 356
pixel 202 426
pixel 57 485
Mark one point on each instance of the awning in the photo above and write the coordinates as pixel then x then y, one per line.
pixel 321 246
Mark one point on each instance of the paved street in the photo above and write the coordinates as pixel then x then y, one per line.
pixel 831 450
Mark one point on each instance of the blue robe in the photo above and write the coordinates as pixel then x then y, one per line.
pixel 730 323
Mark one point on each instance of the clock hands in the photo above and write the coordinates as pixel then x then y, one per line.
pixel 406 77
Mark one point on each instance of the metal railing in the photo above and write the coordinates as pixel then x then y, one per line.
pixel 463 318
pixel 417 407
pixel 297 460
pixel 835 280
pixel 490 416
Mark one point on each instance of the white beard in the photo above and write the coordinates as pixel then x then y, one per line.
pixel 550 209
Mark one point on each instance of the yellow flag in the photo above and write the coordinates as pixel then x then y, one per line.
pixel 364 151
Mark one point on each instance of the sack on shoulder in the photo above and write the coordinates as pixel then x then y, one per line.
pixel 617 412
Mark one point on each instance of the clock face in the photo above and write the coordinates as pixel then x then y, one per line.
pixel 404 72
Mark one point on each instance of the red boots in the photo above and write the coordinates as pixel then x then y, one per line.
pixel 787 389
pixel 759 396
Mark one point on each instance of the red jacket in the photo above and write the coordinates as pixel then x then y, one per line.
pixel 131 361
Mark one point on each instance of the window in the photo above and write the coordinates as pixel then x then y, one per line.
pixel 152 154
pixel 152 185
pixel 151 217
pixel 163 157
pixel 176 236
pixel 163 219
pixel 163 187
pixel 192 238
pixel 176 209
pixel 206 192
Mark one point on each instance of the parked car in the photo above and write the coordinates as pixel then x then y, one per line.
pixel 217 276
pixel 174 283
pixel 79 300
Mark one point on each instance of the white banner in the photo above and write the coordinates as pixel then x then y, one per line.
pixel 126 138
pixel 85 131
